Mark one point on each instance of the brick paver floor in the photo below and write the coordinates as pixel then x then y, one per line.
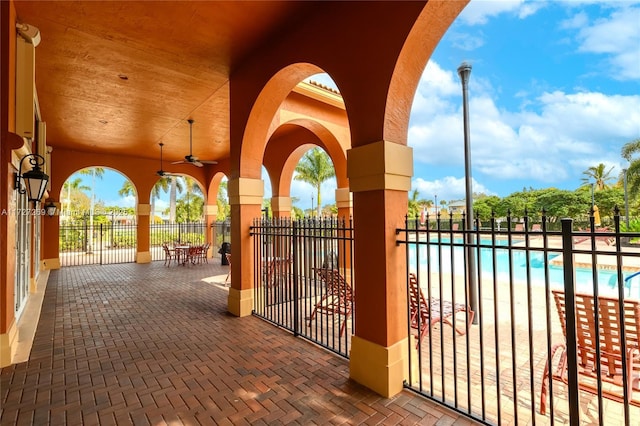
pixel 151 345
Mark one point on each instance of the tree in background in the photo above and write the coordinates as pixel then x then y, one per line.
pixel 314 168
pixel 224 209
pixel 95 173
pixel 73 188
pixel 161 185
pixel 175 187
pixel 599 176
pixel 631 153
pixel 193 191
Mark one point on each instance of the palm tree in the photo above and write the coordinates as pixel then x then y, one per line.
pixel 161 185
pixel 314 168
pixel 94 172
pixel 629 150
pixel 414 205
pixel 223 202
pixel 175 187
pixel 598 174
pixel 191 187
pixel 73 185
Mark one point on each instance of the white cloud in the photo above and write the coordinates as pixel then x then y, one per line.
pixel 160 206
pixel 617 36
pixel 128 201
pixel 541 142
pixel 478 12
pixel 448 188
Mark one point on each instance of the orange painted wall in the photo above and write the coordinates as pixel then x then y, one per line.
pixel 8 142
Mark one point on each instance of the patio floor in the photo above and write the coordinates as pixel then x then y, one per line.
pixel 151 345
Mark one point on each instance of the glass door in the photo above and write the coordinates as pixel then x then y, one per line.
pixel 23 239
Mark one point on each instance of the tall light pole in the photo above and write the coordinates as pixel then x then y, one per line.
pixel 436 204
pixel 626 199
pixel 464 71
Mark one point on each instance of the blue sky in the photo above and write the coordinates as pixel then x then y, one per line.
pixel 555 89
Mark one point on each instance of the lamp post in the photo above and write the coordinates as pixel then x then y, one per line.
pixel 464 71
pixel 626 199
pixel 436 204
pixel 312 204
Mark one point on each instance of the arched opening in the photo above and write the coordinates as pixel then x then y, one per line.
pixel 97 218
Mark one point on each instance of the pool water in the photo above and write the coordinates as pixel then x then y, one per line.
pixel 606 278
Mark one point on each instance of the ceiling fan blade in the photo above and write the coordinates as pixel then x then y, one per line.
pixel 208 161
pixel 179 162
pixel 197 163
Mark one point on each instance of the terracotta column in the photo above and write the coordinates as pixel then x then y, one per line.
pixel 143 255
pixel 245 198
pixel 210 217
pixel 380 178
pixel 344 202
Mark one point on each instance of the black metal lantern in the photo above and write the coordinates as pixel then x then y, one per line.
pixel 35 180
pixel 50 208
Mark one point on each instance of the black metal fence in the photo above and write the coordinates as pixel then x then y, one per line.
pixel 220 234
pixel 102 243
pixel 171 233
pixel 303 278
pixel 529 295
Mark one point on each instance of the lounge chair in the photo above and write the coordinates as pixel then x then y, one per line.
pixel 277 269
pixel 423 316
pixel 611 348
pixel 338 299
pixel 536 227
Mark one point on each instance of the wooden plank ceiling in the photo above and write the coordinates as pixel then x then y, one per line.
pixel 123 76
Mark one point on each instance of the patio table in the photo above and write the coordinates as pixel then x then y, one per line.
pixel 182 253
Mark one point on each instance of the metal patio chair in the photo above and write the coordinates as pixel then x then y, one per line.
pixel 424 315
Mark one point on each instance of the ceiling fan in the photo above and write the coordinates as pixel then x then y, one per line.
pixel 161 172
pixel 192 159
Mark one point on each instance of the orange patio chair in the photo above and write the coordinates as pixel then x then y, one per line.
pixel 601 329
pixel 338 299
pixel 423 316
pixel 169 254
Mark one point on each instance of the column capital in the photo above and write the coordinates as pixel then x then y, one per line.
pixel 143 209
pixel 380 165
pixel 281 204
pixel 211 210
pixel 344 198
pixel 245 191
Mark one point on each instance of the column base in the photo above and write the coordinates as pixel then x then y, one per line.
pixel 8 342
pixel 51 263
pixel 381 369
pixel 143 257
pixel 240 302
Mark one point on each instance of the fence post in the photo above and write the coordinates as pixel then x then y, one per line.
pixel 296 308
pixel 570 312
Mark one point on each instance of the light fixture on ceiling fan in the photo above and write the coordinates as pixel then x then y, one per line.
pixel 161 172
pixel 192 159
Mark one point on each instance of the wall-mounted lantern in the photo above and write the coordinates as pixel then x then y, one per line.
pixel 35 180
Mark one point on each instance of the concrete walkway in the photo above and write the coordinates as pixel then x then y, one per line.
pixel 150 345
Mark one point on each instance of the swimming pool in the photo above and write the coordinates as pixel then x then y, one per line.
pixel 524 265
